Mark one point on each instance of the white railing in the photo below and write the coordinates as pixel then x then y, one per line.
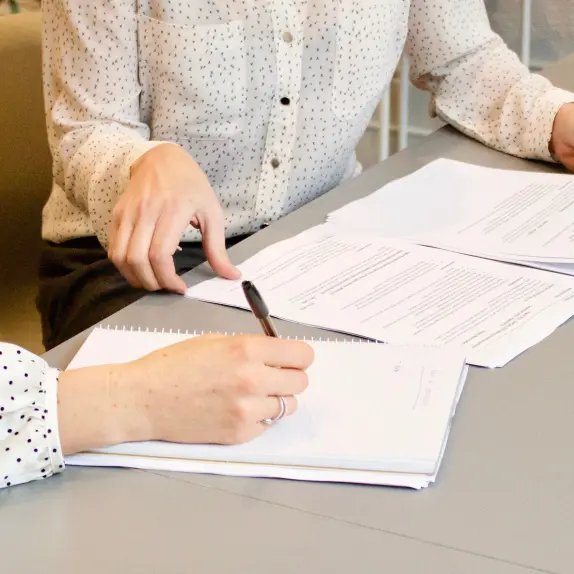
pixel 525 37
pixel 385 112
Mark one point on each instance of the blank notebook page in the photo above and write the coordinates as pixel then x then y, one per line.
pixel 368 406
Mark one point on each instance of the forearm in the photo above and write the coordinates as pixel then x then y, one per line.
pixel 478 84
pixel 492 97
pixel 99 407
pixel 96 173
pixel 92 96
pixel 45 414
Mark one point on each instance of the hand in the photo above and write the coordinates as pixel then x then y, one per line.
pixel 167 191
pixel 210 389
pixel 216 389
pixel 562 142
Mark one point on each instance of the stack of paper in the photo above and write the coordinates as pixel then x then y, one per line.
pixel 514 216
pixel 399 292
pixel 373 414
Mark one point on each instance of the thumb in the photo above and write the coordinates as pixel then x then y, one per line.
pixel 213 238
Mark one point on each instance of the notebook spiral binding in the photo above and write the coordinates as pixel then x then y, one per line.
pixel 185 332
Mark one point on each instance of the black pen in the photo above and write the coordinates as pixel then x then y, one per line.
pixel 259 308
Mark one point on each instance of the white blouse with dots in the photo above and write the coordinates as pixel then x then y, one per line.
pixel 269 97
pixel 29 443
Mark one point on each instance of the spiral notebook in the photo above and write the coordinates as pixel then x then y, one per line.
pixel 373 414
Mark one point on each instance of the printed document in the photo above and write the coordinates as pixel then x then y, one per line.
pixel 399 292
pixel 516 216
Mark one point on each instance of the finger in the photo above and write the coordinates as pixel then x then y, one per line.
pixel 282 381
pixel 256 411
pixel 164 244
pixel 213 238
pixel 270 407
pixel 121 231
pixel 276 352
pixel 137 256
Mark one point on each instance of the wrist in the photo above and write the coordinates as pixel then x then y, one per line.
pixel 130 398
pixel 100 407
pixel 154 155
pixel 561 136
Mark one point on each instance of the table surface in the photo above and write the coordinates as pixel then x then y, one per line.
pixel 502 504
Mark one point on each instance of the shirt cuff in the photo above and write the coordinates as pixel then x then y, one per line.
pixel 29 438
pixel 52 428
pixel 542 122
pixel 130 151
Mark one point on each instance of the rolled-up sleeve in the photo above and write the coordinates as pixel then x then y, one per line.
pixel 29 439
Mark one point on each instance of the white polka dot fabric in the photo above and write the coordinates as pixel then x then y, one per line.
pixel 29 442
pixel 269 97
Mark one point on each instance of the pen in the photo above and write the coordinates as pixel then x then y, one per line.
pixel 259 308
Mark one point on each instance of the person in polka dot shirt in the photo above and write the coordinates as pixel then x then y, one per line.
pixel 172 122
pixel 183 393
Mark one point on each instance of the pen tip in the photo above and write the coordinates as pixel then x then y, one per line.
pixel 246 284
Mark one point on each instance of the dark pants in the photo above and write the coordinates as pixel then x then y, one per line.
pixel 80 286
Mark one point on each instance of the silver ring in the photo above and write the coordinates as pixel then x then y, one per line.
pixel 282 410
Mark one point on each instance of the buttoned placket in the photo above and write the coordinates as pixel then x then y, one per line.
pixel 282 130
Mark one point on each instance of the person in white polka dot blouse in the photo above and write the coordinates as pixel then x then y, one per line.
pixel 176 121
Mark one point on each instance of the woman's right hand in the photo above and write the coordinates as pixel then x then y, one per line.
pixel 216 389
pixel 167 191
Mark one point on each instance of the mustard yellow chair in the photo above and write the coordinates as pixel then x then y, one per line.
pixel 25 176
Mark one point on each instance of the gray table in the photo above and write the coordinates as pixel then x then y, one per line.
pixel 503 502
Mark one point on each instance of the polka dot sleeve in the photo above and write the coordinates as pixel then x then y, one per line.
pixel 92 95
pixel 478 84
pixel 29 442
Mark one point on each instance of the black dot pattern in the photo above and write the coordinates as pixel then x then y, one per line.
pixel 270 98
pixel 29 444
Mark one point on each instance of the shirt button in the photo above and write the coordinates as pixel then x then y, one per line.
pixel 287 37
pixel 285 101
pixel 275 163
